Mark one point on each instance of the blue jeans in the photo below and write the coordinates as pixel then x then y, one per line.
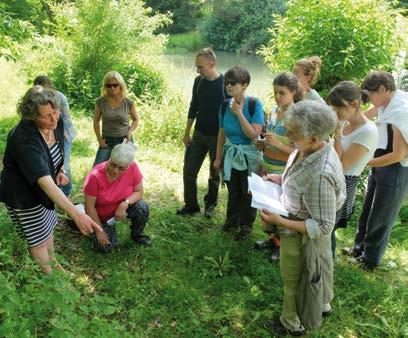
pixel 66 189
pixel 103 154
pixel 386 190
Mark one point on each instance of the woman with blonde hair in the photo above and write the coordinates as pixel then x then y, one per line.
pixel 113 107
pixel 307 71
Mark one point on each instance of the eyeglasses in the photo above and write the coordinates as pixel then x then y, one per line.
pixel 232 83
pixel 115 166
pixel 110 85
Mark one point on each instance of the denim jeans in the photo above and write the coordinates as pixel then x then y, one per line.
pixel 66 189
pixel 386 190
pixel 103 154
pixel 194 156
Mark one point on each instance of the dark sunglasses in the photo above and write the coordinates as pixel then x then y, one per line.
pixel 110 85
pixel 232 83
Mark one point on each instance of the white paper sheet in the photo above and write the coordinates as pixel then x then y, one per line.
pixel 266 195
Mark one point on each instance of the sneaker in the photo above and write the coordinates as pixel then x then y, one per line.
pixel 142 240
pixel 209 211
pixel 274 257
pixel 361 262
pixel 352 251
pixel 277 327
pixel 187 210
pixel 264 244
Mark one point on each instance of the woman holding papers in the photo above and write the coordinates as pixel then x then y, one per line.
pixel 388 183
pixel 354 141
pixel 276 147
pixel 313 190
pixel 236 153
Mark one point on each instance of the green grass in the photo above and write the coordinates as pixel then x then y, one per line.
pixel 184 42
pixel 174 288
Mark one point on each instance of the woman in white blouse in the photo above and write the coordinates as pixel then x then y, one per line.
pixel 388 183
pixel 355 142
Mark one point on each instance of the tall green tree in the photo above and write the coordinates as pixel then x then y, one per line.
pixel 351 37
pixel 185 13
pixel 240 25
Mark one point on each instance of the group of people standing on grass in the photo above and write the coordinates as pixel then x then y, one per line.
pixel 316 150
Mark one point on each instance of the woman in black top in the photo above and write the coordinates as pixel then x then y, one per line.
pixel 33 170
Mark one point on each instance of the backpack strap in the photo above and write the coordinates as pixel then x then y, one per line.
pixel 252 105
pixel 224 106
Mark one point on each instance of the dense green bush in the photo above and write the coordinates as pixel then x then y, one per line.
pixel 351 37
pixel 240 25
pixel 94 37
pixel 185 13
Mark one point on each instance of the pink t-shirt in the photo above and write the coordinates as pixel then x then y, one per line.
pixel 110 194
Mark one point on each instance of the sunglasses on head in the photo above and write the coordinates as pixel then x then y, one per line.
pixel 231 82
pixel 110 85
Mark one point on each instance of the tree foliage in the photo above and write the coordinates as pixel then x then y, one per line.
pixel 96 36
pixel 185 13
pixel 352 37
pixel 240 25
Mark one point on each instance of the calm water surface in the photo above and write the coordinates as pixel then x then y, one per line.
pixel 183 72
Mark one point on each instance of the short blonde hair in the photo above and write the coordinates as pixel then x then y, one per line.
pixel 310 66
pixel 117 77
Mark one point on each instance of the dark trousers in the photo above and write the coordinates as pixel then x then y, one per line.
pixel 138 213
pixel 386 190
pixel 239 210
pixel 193 159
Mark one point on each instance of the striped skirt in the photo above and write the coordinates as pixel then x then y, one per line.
pixel 34 224
pixel 346 211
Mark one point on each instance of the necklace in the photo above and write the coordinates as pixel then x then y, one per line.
pixel 49 139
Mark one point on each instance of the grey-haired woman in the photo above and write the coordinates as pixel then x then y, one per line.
pixel 114 191
pixel 33 170
pixel 313 190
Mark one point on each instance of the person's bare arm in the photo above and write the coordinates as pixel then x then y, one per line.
pixel 135 122
pixel 97 128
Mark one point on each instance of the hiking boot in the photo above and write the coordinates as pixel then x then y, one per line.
pixel 209 211
pixel 361 262
pixel 186 210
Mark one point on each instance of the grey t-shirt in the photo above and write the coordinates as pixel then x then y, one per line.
pixel 115 122
pixel 313 95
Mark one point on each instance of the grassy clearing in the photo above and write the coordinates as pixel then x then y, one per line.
pixel 184 42
pixel 193 282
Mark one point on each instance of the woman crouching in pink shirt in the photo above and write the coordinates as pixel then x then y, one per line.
pixel 113 191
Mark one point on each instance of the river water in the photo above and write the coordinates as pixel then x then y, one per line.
pixel 183 72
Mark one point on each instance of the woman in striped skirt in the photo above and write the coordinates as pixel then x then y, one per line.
pixel 33 170
pixel 355 142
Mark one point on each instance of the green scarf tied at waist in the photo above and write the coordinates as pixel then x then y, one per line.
pixel 240 157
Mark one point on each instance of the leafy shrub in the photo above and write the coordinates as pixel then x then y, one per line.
pixel 351 37
pixel 94 37
pixel 240 25
pixel 185 13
